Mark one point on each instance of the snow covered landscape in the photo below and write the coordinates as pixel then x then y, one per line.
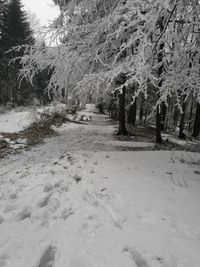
pixel 99 133
pixel 77 200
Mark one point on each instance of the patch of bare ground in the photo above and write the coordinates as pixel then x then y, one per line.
pixel 147 134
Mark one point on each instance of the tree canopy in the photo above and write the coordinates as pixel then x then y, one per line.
pixel 98 40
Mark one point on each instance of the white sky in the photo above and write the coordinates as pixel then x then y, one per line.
pixel 45 10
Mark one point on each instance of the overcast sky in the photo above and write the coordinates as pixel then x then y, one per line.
pixel 44 9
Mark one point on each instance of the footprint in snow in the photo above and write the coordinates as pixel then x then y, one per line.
pixel 90 198
pixel 91 225
pixel 136 257
pixel 167 260
pixel 48 187
pixel 24 213
pixel 116 218
pixel 10 207
pixel 48 257
pixel 1 221
pixel 42 202
pixel 67 212
pixel 53 204
pixel 43 217
pixel 4 260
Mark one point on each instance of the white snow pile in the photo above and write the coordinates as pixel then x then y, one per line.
pixel 80 116
pixel 49 110
pixel 85 115
pixel 13 122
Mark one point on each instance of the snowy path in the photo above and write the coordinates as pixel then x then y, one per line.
pixel 72 202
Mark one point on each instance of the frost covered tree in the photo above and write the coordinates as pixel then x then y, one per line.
pixel 154 43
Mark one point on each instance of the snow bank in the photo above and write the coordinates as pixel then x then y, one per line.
pixel 51 109
pixel 14 122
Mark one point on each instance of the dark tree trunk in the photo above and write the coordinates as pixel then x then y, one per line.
pixel 158 126
pixel 191 115
pixel 160 72
pixel 14 96
pixel 141 114
pixel 132 113
pixel 175 116
pixel 163 116
pixel 196 128
pixel 101 109
pixel 122 125
pixel 182 122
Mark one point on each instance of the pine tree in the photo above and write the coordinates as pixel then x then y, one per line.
pixel 15 31
pixel 3 9
pixel 16 27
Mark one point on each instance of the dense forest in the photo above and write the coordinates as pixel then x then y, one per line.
pixel 100 134
pixel 140 60
pixel 15 30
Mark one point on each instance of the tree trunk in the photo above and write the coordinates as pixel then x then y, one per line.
pixel 141 110
pixel 175 116
pixel 160 72
pixel 158 126
pixel 196 128
pixel 191 115
pixel 122 126
pixel 14 97
pixel 182 122
pixel 163 116
pixel 132 113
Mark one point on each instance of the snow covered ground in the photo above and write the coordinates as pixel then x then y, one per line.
pixel 71 202
pixel 13 122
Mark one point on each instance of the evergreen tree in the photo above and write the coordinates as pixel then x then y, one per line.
pixel 15 31
pixel 16 27
pixel 3 9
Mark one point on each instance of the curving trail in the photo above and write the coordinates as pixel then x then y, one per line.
pixel 78 201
